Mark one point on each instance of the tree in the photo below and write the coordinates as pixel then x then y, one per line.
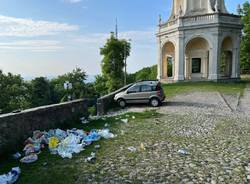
pixel 76 78
pixel 40 92
pixel 114 52
pixel 13 93
pixel 245 44
pixel 100 85
pixel 147 73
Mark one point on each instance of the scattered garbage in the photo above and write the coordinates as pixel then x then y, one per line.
pixel 10 177
pixel 142 147
pixel 71 144
pixel 45 164
pixel 17 155
pixel 106 134
pixel 91 158
pixel 92 137
pixel 132 149
pixel 94 117
pixel 106 125
pixel 97 146
pixel 124 121
pixel 84 120
pixel 63 143
pixel 247 168
pixel 29 159
pixel 133 117
pixel 183 152
pixel 53 142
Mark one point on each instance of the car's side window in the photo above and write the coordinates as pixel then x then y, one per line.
pixel 146 88
pixel 134 89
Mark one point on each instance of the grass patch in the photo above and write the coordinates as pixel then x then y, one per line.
pixel 185 87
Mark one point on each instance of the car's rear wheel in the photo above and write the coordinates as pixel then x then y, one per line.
pixel 121 103
pixel 154 102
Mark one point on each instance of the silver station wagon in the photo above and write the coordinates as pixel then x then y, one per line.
pixel 142 92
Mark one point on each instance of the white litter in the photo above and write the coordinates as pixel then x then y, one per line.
pixel 70 145
pixel 106 134
pixel 11 177
pixel 124 121
pixel 132 149
pixel 84 120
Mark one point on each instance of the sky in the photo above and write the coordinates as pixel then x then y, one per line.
pixel 52 37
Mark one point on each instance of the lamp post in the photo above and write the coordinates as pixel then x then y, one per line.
pixel 125 62
pixel 68 86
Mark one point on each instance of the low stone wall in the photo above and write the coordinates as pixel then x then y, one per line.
pixel 106 102
pixel 15 128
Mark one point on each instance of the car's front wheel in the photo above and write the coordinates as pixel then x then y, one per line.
pixel 122 103
pixel 154 102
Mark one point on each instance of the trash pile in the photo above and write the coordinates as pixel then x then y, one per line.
pixel 10 177
pixel 63 143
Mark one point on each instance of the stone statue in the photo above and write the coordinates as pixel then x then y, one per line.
pixel 217 6
pixel 160 19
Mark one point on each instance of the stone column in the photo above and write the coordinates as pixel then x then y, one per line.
pixel 214 56
pixel 160 64
pixel 179 58
pixel 205 65
pixel 236 59
pixel 186 67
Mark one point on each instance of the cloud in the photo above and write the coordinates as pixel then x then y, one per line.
pixel 32 45
pixel 73 1
pixel 20 27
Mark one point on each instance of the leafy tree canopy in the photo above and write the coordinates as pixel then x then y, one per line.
pixel 114 52
pixel 245 44
pixel 13 93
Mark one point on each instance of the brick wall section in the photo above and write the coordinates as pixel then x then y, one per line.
pixel 106 102
pixel 15 128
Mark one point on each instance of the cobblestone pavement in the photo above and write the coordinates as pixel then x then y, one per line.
pixel 213 129
pixel 244 103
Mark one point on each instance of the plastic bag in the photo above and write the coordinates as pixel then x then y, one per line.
pixel 106 134
pixel 29 159
pixel 124 121
pixel 93 136
pixel 11 177
pixel 29 149
pixel 53 142
pixel 70 145
pixel 37 135
pixel 60 134
pixel 183 152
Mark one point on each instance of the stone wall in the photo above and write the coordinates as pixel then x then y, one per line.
pixel 15 128
pixel 106 102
